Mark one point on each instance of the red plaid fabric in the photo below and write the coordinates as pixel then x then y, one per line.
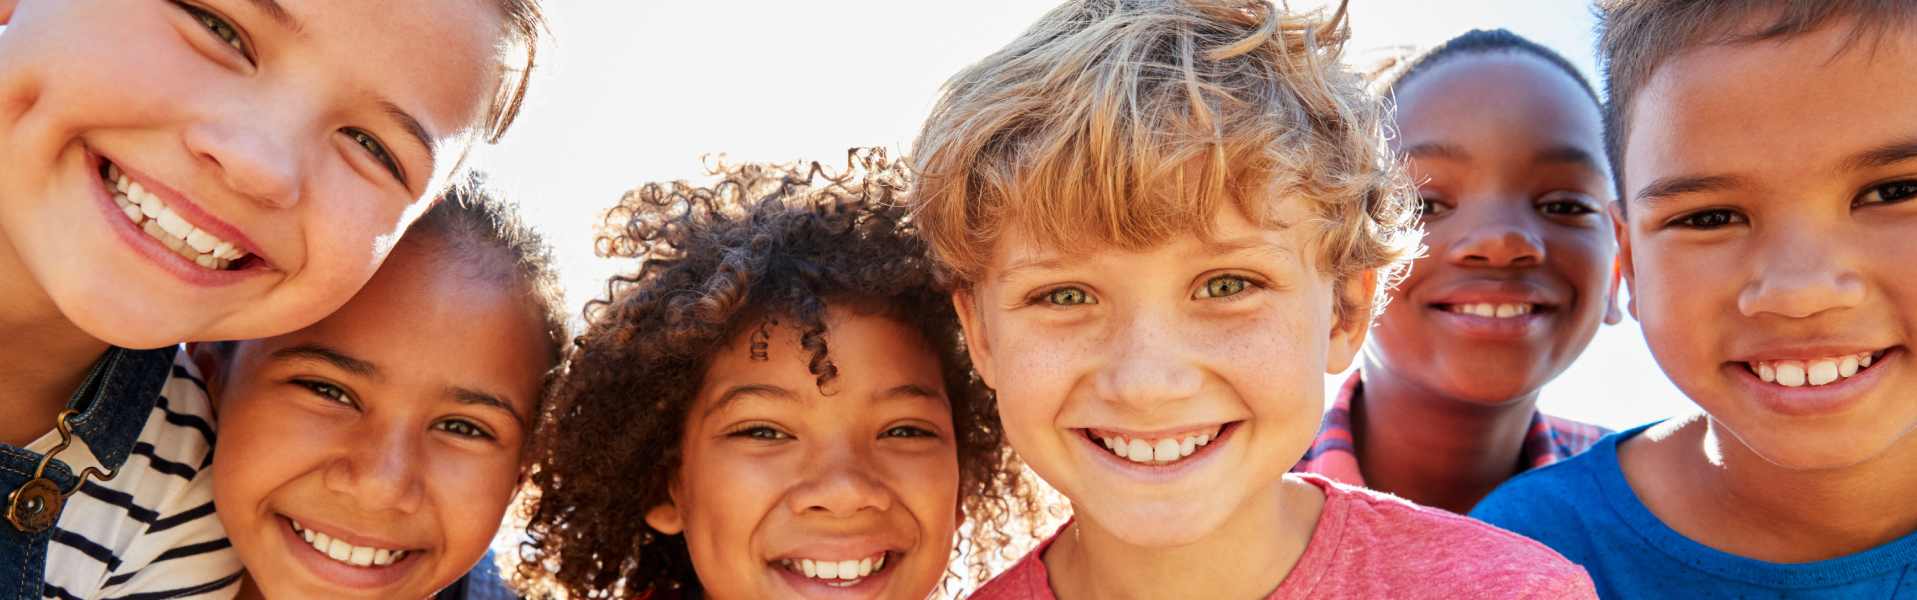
pixel 1334 456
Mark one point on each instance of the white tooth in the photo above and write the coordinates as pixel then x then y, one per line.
pixel 865 567
pixel 1506 311
pixel 1188 446
pixel 133 190
pixel 1122 449
pixel 202 241
pixel 383 557
pixel 172 242
pixel 1766 373
pixel 153 229
pixel 307 534
pixel 321 542
pixel 1790 373
pixel 113 171
pixel 1166 450
pixel 1865 362
pixel 223 249
pixel 828 570
pixel 121 200
pixel 1140 451
pixel 879 564
pixel 151 207
pixel 362 556
pixel 811 570
pixel 1485 310
pixel 1524 309
pixel 1823 371
pixel 132 212
pixel 848 568
pixel 120 179
pixel 1204 439
pixel 174 224
pixel 339 550
pixel 205 260
pixel 398 554
pixel 1848 366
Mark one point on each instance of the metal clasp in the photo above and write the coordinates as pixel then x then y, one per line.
pixel 36 506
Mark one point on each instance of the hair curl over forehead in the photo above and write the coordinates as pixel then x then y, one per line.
pixel 766 246
pixel 1636 37
pixel 1133 122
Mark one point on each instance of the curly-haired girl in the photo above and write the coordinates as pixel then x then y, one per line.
pixel 776 403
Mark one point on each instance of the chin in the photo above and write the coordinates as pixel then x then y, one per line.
pixel 1165 525
pixel 1808 449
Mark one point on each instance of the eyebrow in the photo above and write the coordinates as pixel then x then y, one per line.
pixel 1439 150
pixel 1671 187
pixel 1565 155
pixel 277 13
pixel 412 126
pixel 769 391
pixel 316 352
pixel 1883 156
pixel 1030 264
pixel 909 391
pixel 478 398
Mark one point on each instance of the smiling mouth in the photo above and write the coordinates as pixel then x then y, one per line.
pixel 1495 311
pixel 1156 451
pixel 150 214
pixel 358 556
pixel 844 573
pixel 1817 371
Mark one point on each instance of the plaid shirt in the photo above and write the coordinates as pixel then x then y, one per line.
pixel 1334 456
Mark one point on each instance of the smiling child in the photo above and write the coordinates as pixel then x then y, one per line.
pixel 1767 154
pixel 198 170
pixel 1506 143
pixel 373 454
pixel 1167 220
pixel 775 405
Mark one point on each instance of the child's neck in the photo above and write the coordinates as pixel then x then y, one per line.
pixel 1247 557
pixel 43 356
pixel 1747 506
pixel 1433 449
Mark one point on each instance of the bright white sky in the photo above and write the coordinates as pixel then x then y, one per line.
pixel 638 91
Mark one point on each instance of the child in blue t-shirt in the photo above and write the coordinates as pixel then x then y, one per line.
pixel 1766 158
pixel 197 170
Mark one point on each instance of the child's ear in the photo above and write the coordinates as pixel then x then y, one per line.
pixel 976 343
pixel 1612 314
pixel 212 366
pixel 665 519
pixel 1348 334
pixel 1624 269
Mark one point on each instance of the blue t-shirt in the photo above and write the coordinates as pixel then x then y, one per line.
pixel 1584 509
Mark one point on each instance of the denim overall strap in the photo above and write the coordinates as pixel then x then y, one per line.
pixel 115 400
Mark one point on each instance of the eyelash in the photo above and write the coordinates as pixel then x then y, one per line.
pixel 908 431
pixel 1249 283
pixel 758 432
pixel 327 391
pixel 377 149
pixel 477 431
pixel 1720 217
pixel 1580 209
pixel 1903 190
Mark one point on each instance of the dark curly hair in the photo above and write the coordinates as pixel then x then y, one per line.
pixel 768 245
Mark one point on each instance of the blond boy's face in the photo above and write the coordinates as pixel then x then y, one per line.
pixel 290 145
pixel 1769 231
pixel 1203 361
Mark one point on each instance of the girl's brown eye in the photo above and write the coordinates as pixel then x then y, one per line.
pixel 462 429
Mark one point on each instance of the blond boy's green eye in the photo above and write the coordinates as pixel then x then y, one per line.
pixel 1067 296
pixel 1222 286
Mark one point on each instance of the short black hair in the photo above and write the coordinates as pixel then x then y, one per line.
pixel 1476 41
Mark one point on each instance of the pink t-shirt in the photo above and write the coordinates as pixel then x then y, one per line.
pixel 1374 545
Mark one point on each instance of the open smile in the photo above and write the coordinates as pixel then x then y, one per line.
pixel 1157 449
pixel 1824 370
pixel 364 565
pixel 149 213
pixel 841 573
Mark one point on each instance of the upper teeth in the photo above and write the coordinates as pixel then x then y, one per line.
pixel 1793 373
pixel 1500 311
pixel 358 556
pixel 152 215
pixel 849 572
pixel 1160 451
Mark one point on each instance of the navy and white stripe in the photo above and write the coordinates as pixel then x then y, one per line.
pixel 150 533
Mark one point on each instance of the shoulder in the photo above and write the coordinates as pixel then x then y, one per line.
pixel 1546 497
pixel 1025 580
pixel 1404 546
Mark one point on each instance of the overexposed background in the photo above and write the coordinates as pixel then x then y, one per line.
pixel 632 92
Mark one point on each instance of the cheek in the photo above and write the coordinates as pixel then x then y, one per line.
pixel 471 494
pixel 723 498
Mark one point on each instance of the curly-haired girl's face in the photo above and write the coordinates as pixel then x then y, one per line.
pixel 787 491
pixel 373 454
pixel 1167 391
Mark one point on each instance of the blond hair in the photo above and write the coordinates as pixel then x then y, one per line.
pixel 1135 121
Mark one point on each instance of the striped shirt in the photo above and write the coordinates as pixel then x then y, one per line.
pixel 150 532
pixel 1334 453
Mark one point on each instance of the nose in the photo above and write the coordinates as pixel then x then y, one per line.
pixel 379 471
pixel 840 482
pixel 253 154
pixel 1801 275
pixel 1496 238
pixel 1147 364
